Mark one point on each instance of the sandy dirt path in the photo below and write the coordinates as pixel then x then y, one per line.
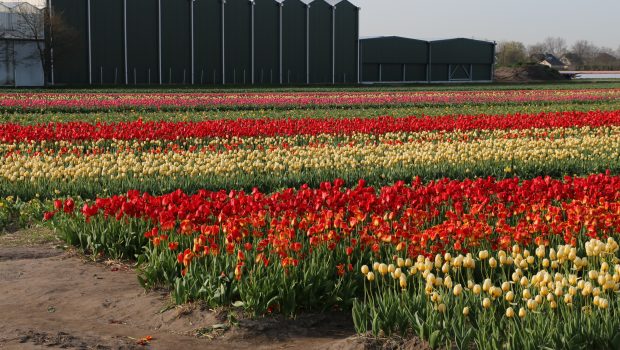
pixel 51 298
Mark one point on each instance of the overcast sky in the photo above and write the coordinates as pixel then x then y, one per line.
pixel 529 21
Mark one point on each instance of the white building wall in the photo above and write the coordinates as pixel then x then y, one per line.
pixel 7 60
pixel 28 68
pixel 20 62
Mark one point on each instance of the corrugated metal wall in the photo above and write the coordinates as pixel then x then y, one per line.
pixel 462 60
pixel 396 59
pixel 108 63
pixel 175 46
pixel 266 42
pixel 143 41
pixel 237 36
pixel 347 26
pixel 294 51
pixel 71 43
pixel 208 41
pixel 321 71
pixel 319 45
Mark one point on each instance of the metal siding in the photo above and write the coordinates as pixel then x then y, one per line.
pixel 107 41
pixel 238 41
pixel 294 42
pixel 346 42
pixel 142 41
pixel 370 72
pixel 266 42
pixel 71 46
pixel 391 72
pixel 462 51
pixel 415 72
pixel 320 42
pixel 482 71
pixel 394 50
pixel 208 41
pixel 176 46
pixel 439 72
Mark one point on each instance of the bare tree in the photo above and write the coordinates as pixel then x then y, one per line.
pixel 535 50
pixel 29 24
pixel 555 46
pixel 34 24
pixel 511 53
pixel 585 50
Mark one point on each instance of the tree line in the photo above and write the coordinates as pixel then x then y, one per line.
pixel 582 55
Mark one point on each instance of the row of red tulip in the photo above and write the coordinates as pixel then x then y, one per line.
pixel 162 130
pixel 444 215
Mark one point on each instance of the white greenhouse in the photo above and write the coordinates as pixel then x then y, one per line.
pixel 21 44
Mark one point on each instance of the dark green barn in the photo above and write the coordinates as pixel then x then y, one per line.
pixel 238 41
pixel 267 41
pixel 394 59
pixel 208 42
pixel 462 60
pixel 346 45
pixel 71 46
pixel 321 33
pixel 108 52
pixel 246 42
pixel 397 59
pixel 143 62
pixel 294 42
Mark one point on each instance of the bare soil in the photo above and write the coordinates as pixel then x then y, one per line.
pixel 55 298
pixel 527 73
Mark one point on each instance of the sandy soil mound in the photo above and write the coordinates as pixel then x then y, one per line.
pixel 527 73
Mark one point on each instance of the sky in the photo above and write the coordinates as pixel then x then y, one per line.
pixel 528 21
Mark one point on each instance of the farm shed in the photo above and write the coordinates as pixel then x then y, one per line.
pixel 346 42
pixel 205 42
pixel 461 60
pixel 398 59
pixel 394 59
pixel 267 41
pixel 294 48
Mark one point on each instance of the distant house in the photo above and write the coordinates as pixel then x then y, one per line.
pixel 551 61
pixel 20 58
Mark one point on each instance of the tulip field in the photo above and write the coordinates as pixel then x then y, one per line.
pixel 485 219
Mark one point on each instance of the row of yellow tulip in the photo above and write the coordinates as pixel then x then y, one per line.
pixel 318 153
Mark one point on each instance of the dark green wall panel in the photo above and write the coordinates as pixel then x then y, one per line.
pixel 142 41
pixel 320 42
pixel 108 57
pixel 370 72
pixel 439 72
pixel 346 42
pixel 238 41
pixel 176 49
pixel 266 42
pixel 415 72
pixel 394 50
pixel 462 51
pixel 392 72
pixel 482 71
pixel 71 44
pixel 208 41
pixel 294 42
